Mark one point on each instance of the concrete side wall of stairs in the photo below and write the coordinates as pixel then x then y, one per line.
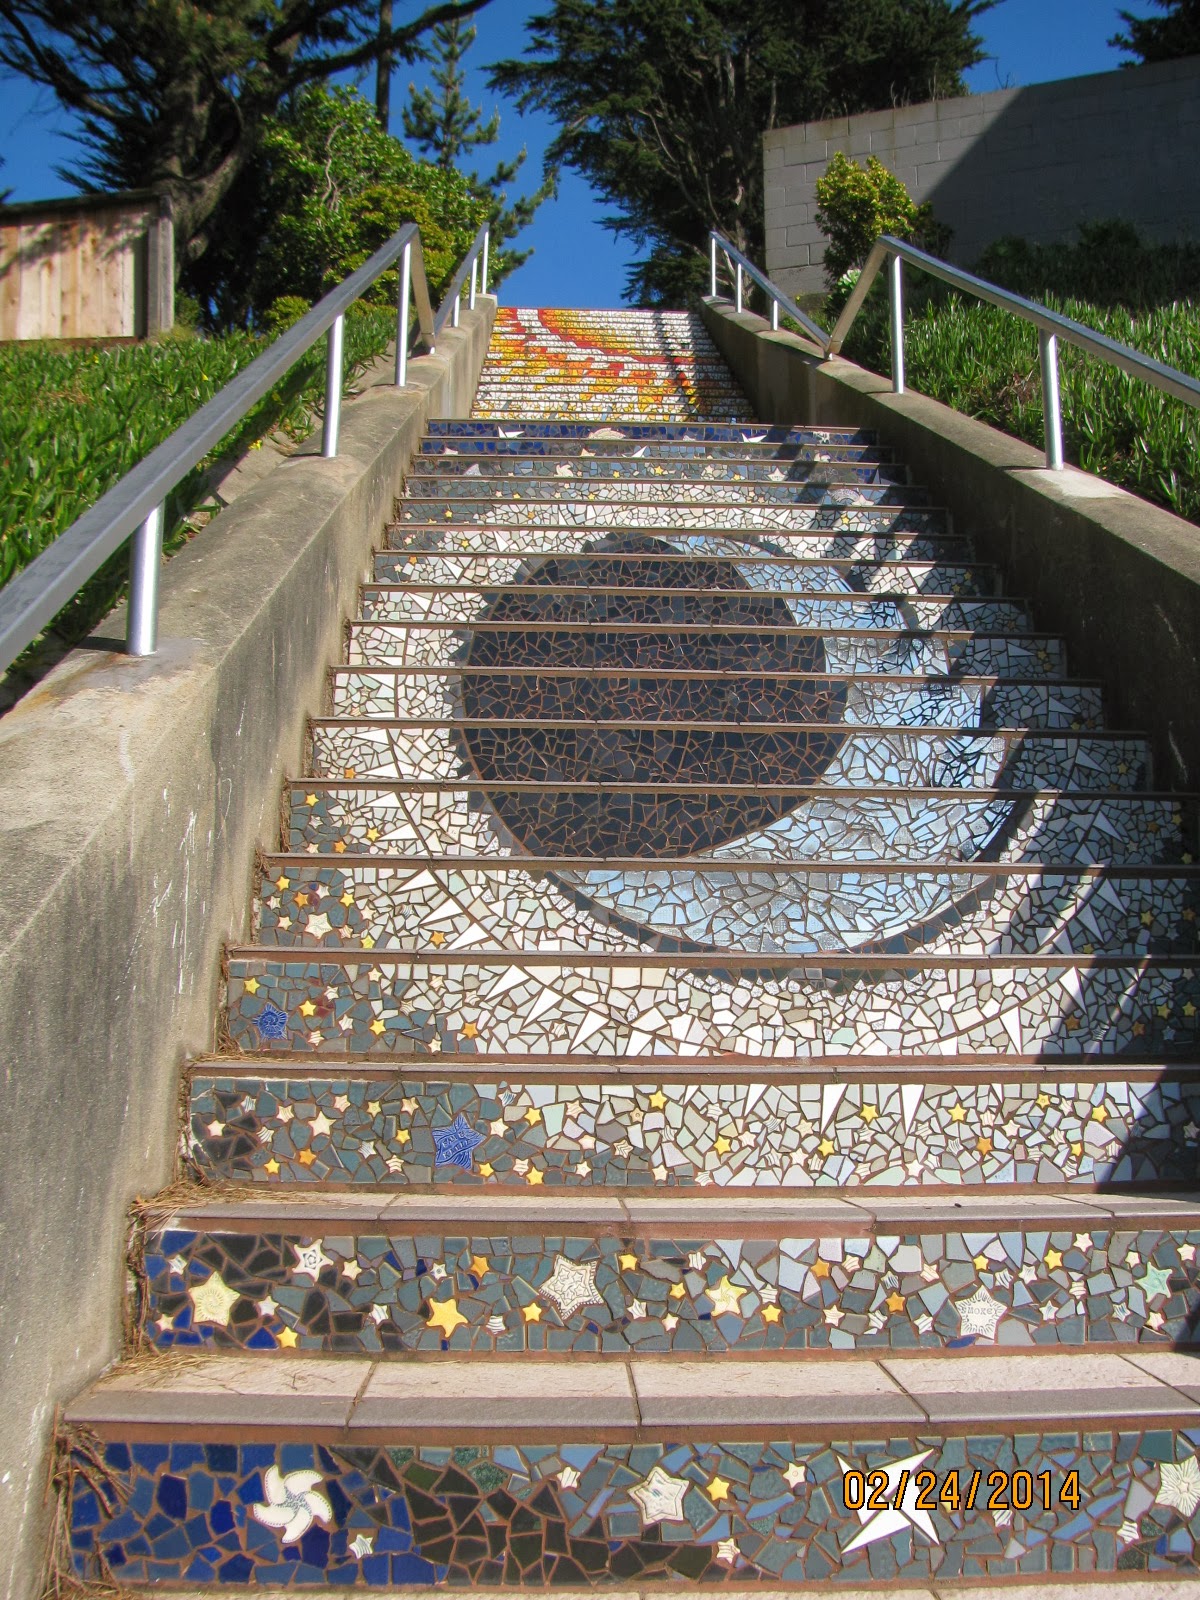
pixel 1117 577
pixel 134 794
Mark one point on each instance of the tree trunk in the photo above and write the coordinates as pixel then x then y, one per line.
pixel 383 69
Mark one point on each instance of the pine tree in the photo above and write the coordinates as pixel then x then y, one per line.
pixel 445 127
pixel 1161 38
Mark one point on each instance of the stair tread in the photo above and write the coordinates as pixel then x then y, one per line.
pixel 809 1394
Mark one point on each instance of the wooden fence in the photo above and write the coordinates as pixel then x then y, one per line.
pixel 92 267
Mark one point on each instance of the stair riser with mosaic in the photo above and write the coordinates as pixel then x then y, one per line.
pixel 632 1004
pixel 823 756
pixel 742 1507
pixel 778 573
pixel 859 549
pixel 558 694
pixel 621 906
pixel 619 432
pixel 512 470
pixel 722 649
pixel 679 514
pixel 664 609
pixel 503 1127
pixel 865 825
pixel 647 452
pixel 653 491
pixel 373 1289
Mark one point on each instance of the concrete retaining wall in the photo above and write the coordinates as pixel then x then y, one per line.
pixel 1034 161
pixel 1118 578
pixel 132 797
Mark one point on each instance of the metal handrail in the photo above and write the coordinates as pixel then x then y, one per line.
pixel 1051 326
pixel 740 265
pixel 134 505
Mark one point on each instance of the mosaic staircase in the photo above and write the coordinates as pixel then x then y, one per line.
pixel 813 983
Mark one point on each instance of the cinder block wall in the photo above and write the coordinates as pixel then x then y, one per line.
pixel 1035 161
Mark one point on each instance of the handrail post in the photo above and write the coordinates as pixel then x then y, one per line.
pixel 402 316
pixel 774 315
pixel 474 283
pixel 145 563
pixel 1051 400
pixel 739 287
pixel 712 265
pixel 487 239
pixel 457 308
pixel 333 387
pixel 896 280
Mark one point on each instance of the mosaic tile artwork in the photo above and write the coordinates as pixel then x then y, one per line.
pixel 728 907
pixel 774 520
pixel 358 818
pixel 563 364
pixel 643 465
pixel 533 696
pixel 735 1513
pixel 652 491
pixel 364 1293
pixel 280 1125
pixel 660 432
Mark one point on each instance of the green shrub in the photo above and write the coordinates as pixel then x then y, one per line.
pixel 857 204
pixel 329 187
pixel 1108 265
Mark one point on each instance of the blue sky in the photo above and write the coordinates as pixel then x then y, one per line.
pixel 576 260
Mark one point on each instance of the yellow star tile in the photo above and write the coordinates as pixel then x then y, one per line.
pixel 1043 1101
pixel 820 1269
pixel 486 1169
pixel 980 1262
pixel 271 1166
pixel 282 883
pixel 1147 919
pixel 718 1489
pixel 1100 1113
pixel 368 942
pixel 771 1313
pixel 1077 1149
pixel 532 1313
pixel 307 1009
pixel 894 1301
pixel 1189 1010
pixel 958 1113
pixel 340 846
pixel 378 1027
pixel 288 1338
pixel 306 1158
pixel 251 985
pixel 722 1145
pixel 445 1316
pixel 372 834
pixel 402 1135
pixel 347 899
pixel 437 938
pixel 1053 1259
pixel 310 799
pixel 628 1262
pixel 678 1290
pixel 349 772
pixel 533 1116
pixel 469 1030
pixel 869 1113
pixel 373 1108
pixel 1163 1011
pixel 984 1146
pixel 479 1267
pixel 535 1177
pixel 826 1147
pixel 658 1100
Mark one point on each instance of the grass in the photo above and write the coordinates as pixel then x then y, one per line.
pixel 984 362
pixel 73 421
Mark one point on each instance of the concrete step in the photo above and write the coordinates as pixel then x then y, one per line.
pixel 975 1125
pixel 765 521
pixel 631 1002
pixel 560 605
pixel 795 543
pixel 555 450
pixel 589 906
pixel 724 649
pixel 439 487
pixel 361 818
pixel 619 432
pixel 540 695
pixel 782 768
pixel 341 1469
pixel 363 1274
pixel 509 467
pixel 890 575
